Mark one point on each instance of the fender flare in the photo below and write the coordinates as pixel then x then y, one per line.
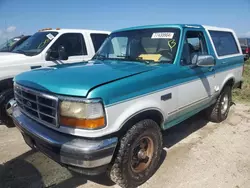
pixel 153 113
pixel 229 80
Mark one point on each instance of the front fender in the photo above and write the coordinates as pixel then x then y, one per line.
pixel 228 78
pixel 119 114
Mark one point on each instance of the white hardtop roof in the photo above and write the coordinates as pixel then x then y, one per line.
pixel 76 31
pixel 216 28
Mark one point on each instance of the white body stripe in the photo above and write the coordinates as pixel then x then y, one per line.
pixel 183 96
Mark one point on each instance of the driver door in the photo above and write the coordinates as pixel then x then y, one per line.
pixel 75 48
pixel 198 88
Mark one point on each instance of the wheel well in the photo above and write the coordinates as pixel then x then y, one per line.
pixel 230 83
pixel 155 115
pixel 6 84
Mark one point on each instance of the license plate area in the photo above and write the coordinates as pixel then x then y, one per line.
pixel 29 141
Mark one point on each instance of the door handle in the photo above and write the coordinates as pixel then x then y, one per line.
pixel 211 69
pixel 36 67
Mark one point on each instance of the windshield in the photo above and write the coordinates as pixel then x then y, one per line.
pixel 147 45
pixel 8 44
pixel 36 43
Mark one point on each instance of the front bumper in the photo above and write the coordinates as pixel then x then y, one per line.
pixel 79 154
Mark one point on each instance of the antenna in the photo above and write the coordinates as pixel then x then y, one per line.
pixel 5 30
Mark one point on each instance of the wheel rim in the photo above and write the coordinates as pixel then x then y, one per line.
pixel 9 107
pixel 142 154
pixel 224 104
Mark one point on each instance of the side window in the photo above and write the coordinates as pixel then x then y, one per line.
pixel 98 39
pixel 73 43
pixel 224 43
pixel 194 44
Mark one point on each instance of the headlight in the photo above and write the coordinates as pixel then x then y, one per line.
pixel 82 114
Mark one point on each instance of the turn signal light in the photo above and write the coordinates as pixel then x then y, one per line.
pixel 83 123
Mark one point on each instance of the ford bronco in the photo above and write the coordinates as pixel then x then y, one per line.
pixel 108 114
pixel 47 47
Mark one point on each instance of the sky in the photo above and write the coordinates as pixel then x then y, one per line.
pixel 28 16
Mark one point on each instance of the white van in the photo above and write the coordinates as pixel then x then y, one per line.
pixel 47 47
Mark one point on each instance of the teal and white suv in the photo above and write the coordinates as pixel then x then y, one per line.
pixel 108 114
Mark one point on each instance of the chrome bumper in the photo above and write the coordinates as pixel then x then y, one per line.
pixel 65 149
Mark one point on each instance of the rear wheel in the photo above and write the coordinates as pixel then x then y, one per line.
pixel 6 103
pixel 219 111
pixel 138 155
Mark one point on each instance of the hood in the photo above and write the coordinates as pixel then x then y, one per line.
pixel 78 79
pixel 4 56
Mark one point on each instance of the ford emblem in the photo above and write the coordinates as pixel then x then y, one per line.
pixel 28 104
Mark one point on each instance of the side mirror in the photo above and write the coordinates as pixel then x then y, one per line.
pixel 62 53
pixel 205 61
pixel 48 55
pixel 51 55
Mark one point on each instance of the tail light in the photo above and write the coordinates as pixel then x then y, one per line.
pixel 247 50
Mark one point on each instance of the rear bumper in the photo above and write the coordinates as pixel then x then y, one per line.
pixel 246 57
pixel 238 85
pixel 80 154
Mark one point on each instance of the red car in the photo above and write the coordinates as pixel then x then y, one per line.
pixel 245 46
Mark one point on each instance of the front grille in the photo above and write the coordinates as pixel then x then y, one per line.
pixel 39 106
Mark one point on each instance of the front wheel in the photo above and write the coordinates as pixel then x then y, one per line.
pixel 6 103
pixel 219 111
pixel 138 155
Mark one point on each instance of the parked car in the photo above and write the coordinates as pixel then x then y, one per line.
pixel 108 115
pixel 245 47
pixel 47 47
pixel 10 44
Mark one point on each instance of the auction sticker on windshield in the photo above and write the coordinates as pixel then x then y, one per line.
pixel 164 35
pixel 50 36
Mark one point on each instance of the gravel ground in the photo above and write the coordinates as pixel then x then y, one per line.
pixel 197 154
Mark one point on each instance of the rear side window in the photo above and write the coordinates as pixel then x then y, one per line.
pixel 224 43
pixel 98 39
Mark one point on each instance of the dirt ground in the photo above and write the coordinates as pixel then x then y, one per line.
pixel 197 154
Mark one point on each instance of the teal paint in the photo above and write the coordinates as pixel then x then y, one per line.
pixel 183 115
pixel 126 80
pixel 77 80
pixel 148 83
pixel 180 26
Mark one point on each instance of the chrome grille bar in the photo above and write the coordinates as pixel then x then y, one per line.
pixel 38 106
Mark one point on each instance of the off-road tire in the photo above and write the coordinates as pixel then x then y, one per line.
pixel 214 112
pixel 121 170
pixel 6 96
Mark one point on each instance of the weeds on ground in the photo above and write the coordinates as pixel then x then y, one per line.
pixel 243 95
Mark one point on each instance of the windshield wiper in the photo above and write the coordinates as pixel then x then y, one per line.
pixel 139 59
pixel 20 51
